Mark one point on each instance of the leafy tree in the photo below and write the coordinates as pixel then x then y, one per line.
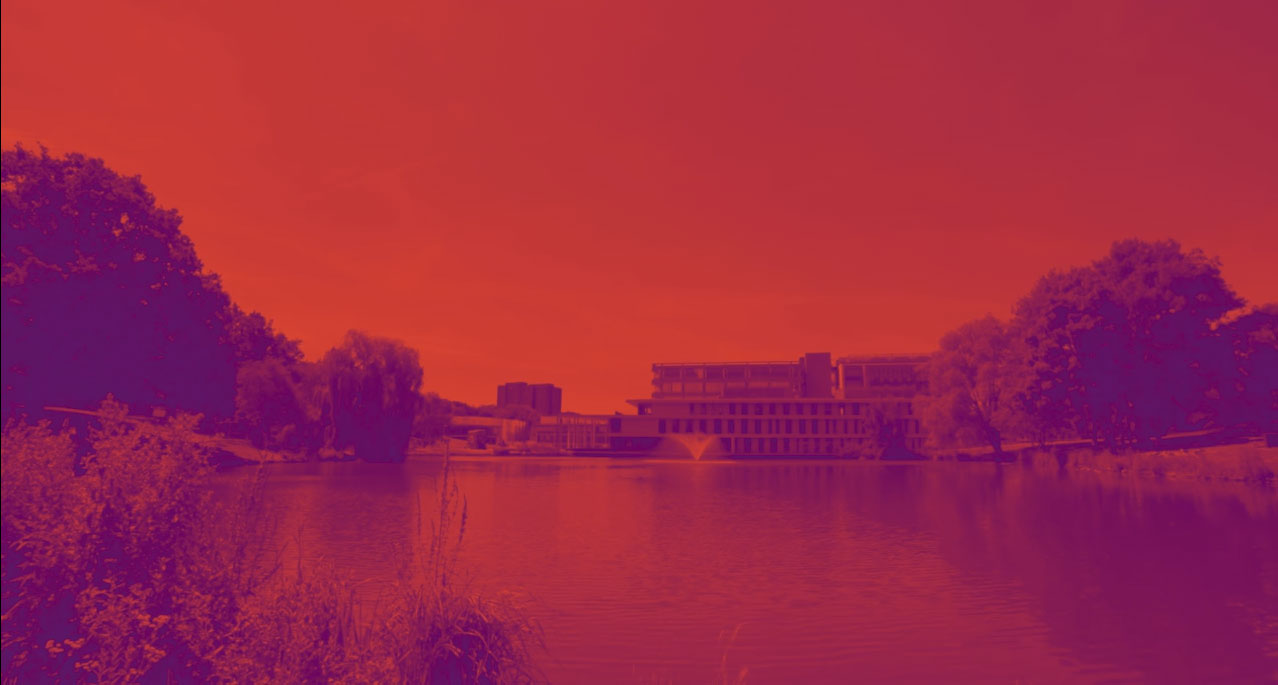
pixel 887 431
pixel 1247 378
pixel 971 383
pixel 374 386
pixel 1116 350
pixel 103 293
pixel 268 405
pixel 253 338
pixel 434 414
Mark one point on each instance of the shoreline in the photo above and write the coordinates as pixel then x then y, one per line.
pixel 1249 462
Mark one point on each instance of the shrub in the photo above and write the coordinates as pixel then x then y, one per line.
pixel 125 571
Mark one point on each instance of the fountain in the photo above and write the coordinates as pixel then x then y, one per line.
pixel 693 445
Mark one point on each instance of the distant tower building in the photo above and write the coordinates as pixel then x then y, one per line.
pixel 544 398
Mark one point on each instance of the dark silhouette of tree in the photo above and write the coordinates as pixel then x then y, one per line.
pixel 1116 351
pixel 268 405
pixel 375 388
pixel 887 432
pixel 104 294
pixel 1246 377
pixel 972 385
pixel 253 338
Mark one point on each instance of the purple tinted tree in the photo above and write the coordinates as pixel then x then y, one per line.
pixel 104 294
pixel 374 390
pixel 971 383
pixel 268 407
pixel 1247 378
pixel 1116 351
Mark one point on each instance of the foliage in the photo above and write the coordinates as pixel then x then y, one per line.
pixel 269 406
pixel 433 415
pixel 886 430
pixel 1248 374
pixel 103 293
pixel 110 575
pixel 972 385
pixel 253 338
pixel 127 572
pixel 1116 349
pixel 374 386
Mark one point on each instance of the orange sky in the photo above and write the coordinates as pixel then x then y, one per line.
pixel 567 192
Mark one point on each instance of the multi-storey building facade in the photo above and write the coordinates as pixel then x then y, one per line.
pixel 808 407
pixel 544 398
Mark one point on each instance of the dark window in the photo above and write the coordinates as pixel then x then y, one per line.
pixel 772 409
pixel 732 409
pixel 718 425
pixel 758 425
pixel 785 409
pixel 661 425
pixel 731 425
pixel 789 427
pixel 701 426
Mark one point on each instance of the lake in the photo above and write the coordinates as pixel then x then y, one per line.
pixel 828 571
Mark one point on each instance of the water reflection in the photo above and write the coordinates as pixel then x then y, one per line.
pixel 835 570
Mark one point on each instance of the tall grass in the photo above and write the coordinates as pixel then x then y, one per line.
pixel 117 567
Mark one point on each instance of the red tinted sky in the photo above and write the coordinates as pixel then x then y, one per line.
pixel 567 192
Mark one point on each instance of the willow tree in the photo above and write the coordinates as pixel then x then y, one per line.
pixel 374 391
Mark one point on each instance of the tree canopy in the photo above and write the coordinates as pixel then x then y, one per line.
pixel 375 389
pixel 1146 340
pixel 971 385
pixel 104 294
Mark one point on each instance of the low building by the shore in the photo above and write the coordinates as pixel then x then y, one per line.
pixel 573 431
pixel 497 429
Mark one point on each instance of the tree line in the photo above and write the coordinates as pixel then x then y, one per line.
pixel 1145 341
pixel 104 295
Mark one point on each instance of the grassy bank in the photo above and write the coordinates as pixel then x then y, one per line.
pixel 1249 462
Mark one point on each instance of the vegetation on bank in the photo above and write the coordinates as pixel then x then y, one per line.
pixel 1147 341
pixel 1247 463
pixel 118 567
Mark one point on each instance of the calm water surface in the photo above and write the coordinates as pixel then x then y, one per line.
pixel 830 571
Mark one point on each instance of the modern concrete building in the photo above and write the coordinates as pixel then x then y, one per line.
pixel 544 398
pixel 807 407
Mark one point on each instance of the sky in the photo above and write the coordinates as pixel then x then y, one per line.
pixel 567 192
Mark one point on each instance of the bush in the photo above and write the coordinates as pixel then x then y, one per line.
pixel 126 571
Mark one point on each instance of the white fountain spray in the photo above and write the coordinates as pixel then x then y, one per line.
pixel 695 446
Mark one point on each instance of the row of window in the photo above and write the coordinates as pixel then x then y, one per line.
pixel 732 372
pixel 774 408
pixel 788 446
pixel 761 426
